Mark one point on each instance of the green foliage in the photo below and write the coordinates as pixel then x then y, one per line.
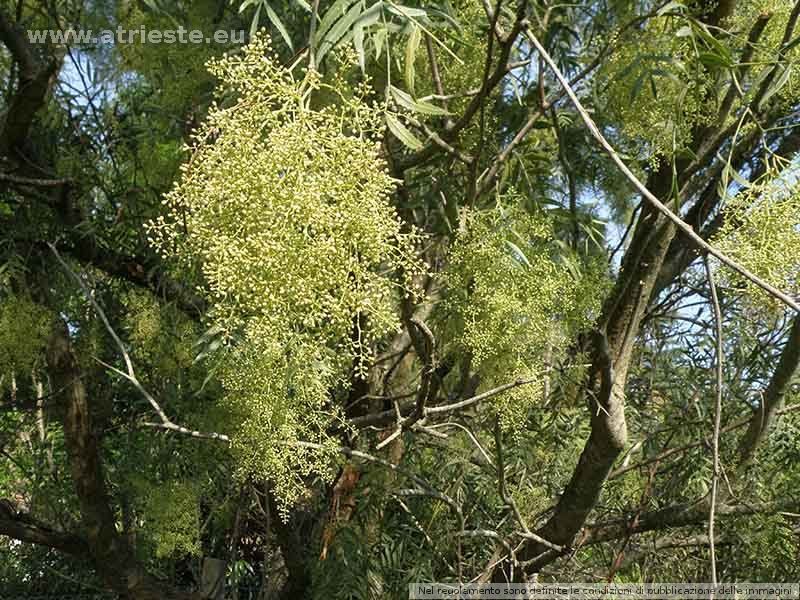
pixel 301 228
pixel 655 88
pixel 157 335
pixel 761 231
pixel 171 512
pixel 175 72
pixel 285 206
pixel 511 303
pixel 24 327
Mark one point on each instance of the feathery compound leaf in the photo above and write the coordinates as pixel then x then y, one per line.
pixel 341 28
pixel 335 12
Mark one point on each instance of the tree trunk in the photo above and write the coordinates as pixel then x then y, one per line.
pixel 111 555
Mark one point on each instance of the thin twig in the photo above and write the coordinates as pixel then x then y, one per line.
pixel 312 59
pixel 386 416
pixel 435 75
pixel 717 417
pixel 130 375
pixel 33 181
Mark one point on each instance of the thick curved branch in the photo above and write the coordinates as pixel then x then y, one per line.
pixel 651 198
pixel 35 81
pixel 773 398
pixel 22 527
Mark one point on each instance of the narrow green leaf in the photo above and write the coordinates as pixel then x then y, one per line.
pixel 669 7
pixel 518 254
pixel 419 106
pixel 776 85
pixel 378 38
pixel 335 12
pixel 276 21
pixel 370 17
pixel 407 12
pixel 246 4
pixel 716 48
pixel 412 45
pixel 713 60
pixel 339 29
pixel 254 22
pixel 402 133
pixel 739 179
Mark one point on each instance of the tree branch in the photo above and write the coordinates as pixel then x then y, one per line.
pixel 642 189
pixel 717 416
pixel 112 556
pixel 130 375
pixel 773 398
pixel 35 81
pixel 22 527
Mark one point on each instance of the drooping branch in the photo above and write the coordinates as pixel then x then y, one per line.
pixel 143 271
pixel 130 373
pixel 717 417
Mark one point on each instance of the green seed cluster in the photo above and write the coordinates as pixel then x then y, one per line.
pixel 280 392
pixel 761 231
pixel 284 207
pixel 24 327
pixel 508 299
